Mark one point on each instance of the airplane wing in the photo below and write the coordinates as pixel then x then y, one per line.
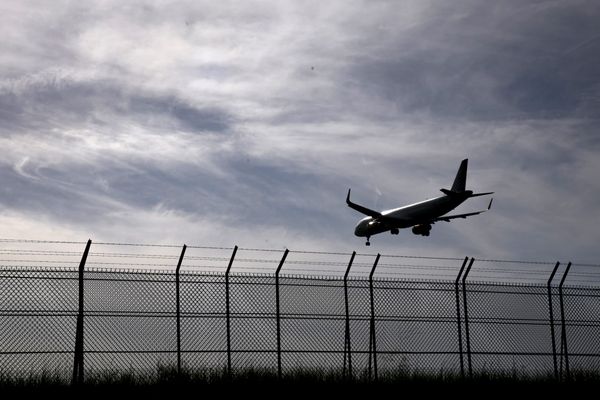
pixel 451 217
pixel 361 209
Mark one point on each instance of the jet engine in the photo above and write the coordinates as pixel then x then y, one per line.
pixel 422 229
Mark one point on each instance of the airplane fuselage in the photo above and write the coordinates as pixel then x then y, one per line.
pixel 410 215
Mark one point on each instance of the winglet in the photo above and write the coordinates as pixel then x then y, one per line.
pixel 361 209
pixel 490 205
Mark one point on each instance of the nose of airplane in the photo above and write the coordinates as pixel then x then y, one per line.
pixel 359 230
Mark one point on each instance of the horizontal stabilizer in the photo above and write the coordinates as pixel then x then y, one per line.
pixel 361 209
pixel 480 194
pixel 467 193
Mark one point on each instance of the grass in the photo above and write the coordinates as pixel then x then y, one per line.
pixel 166 380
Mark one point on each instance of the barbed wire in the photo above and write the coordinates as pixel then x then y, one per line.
pixel 41 261
pixel 137 244
pixel 20 252
pixel 40 252
pixel 39 241
pixel 516 261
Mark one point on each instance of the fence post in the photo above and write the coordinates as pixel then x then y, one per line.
pixel 227 310
pixel 78 356
pixel 372 336
pixel 460 345
pixel 278 317
pixel 178 308
pixel 347 346
pixel 563 331
pixel 552 334
pixel 467 337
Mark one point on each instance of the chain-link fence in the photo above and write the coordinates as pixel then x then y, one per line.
pixel 198 308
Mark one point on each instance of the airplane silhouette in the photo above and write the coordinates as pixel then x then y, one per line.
pixel 420 216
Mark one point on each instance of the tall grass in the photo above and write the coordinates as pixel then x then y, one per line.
pixel 167 378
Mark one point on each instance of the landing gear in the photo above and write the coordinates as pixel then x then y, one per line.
pixel 394 231
pixel 368 243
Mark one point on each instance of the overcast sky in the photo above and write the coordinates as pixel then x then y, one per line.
pixel 245 122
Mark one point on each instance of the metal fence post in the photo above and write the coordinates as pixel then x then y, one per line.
pixel 372 335
pixel 460 345
pixel 347 343
pixel 563 331
pixel 78 356
pixel 467 337
pixel 552 334
pixel 278 317
pixel 178 308
pixel 227 311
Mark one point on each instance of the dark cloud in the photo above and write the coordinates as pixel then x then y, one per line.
pixel 11 112
pixel 251 192
pixel 492 62
pixel 39 195
pixel 42 104
pixel 186 117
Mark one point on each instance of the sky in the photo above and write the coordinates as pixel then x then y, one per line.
pixel 245 122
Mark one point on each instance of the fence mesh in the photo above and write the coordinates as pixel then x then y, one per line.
pixel 503 318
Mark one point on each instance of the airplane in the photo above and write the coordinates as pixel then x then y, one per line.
pixel 420 216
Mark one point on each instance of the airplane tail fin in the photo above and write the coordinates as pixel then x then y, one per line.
pixel 461 177
pixel 458 187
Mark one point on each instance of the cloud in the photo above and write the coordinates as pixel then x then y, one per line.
pixel 482 62
pixel 247 122
pixel 57 99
